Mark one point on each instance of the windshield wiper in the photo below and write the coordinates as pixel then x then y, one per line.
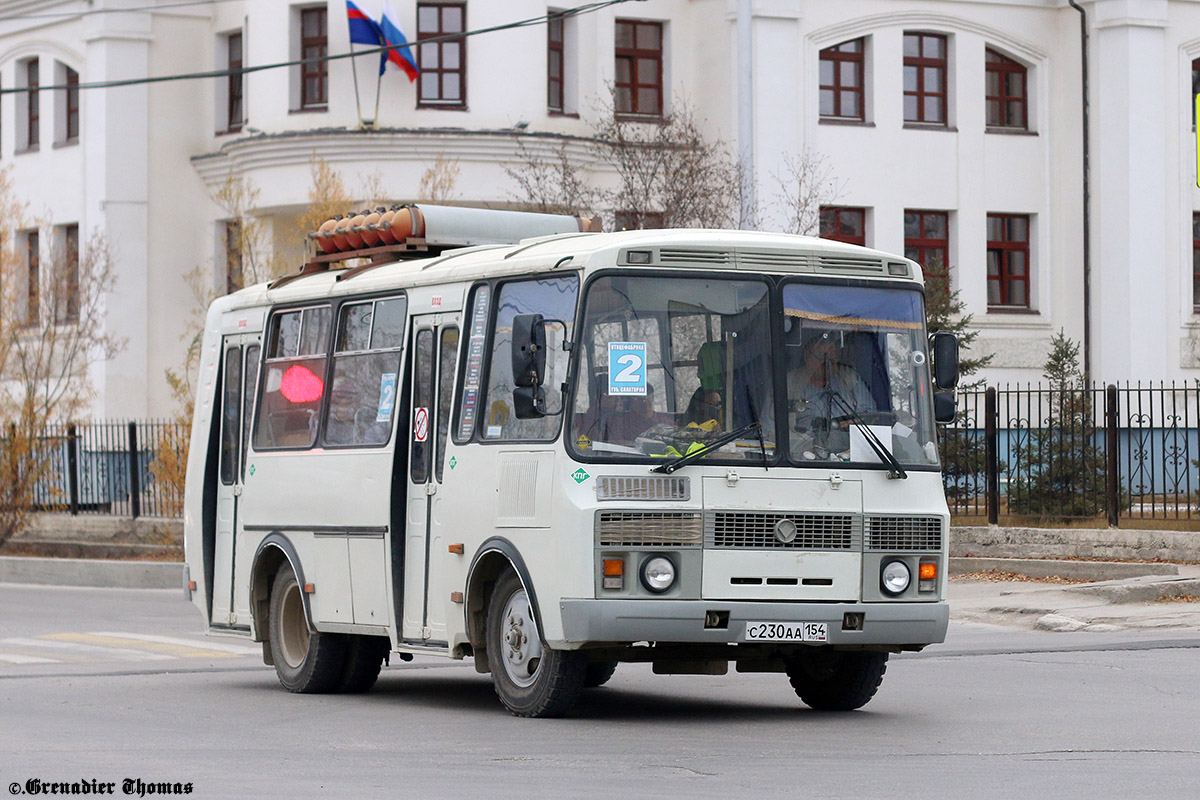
pixel 687 458
pixel 885 455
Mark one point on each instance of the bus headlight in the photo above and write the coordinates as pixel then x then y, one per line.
pixel 658 574
pixel 895 577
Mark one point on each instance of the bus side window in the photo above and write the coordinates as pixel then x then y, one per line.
pixel 553 298
pixel 293 384
pixel 366 365
pixel 476 331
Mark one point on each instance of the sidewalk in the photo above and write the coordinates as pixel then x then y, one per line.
pixel 1127 603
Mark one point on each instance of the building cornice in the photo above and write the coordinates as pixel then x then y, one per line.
pixel 861 26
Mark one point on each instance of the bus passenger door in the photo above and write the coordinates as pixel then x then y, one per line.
pixel 239 372
pixel 434 365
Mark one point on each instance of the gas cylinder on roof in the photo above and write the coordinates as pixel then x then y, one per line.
pixel 354 230
pixel 324 235
pixel 384 226
pixel 402 224
pixel 340 242
pixel 370 235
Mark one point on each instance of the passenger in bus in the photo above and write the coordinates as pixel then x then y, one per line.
pixel 825 387
pixel 636 418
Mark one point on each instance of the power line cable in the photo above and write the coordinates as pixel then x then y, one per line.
pixel 587 8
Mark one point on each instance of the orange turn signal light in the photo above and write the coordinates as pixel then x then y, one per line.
pixel 614 566
pixel 457 549
pixel 927 571
pixel 309 588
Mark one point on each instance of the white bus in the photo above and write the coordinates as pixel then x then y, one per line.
pixel 683 447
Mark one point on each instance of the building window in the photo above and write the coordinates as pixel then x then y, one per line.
pixel 66 282
pixel 842 80
pixel 927 241
pixel 314 71
pixel 1008 260
pixel 554 64
pixel 844 224
pixel 33 293
pixel 1196 262
pixel 234 86
pixel 1006 92
pixel 443 64
pixel 639 78
pixel 1195 87
pixel 639 221
pixel 66 105
pixel 925 78
pixel 232 238
pixel 28 107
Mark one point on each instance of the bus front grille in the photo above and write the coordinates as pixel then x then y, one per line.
pixel 766 530
pixel 903 533
pixel 649 529
pixel 643 487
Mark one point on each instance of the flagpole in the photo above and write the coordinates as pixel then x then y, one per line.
pixel 354 70
pixel 378 85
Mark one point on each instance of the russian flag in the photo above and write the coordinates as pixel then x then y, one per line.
pixel 399 53
pixel 363 29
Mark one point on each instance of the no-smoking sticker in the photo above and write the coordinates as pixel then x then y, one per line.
pixel 421 424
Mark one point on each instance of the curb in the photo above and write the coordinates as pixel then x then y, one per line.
pixel 92 572
pixel 1075 570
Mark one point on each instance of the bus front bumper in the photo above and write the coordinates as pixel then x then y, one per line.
pixel 684 621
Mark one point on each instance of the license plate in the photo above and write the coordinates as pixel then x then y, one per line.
pixel 786 632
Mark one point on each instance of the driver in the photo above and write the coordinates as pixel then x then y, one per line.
pixel 824 387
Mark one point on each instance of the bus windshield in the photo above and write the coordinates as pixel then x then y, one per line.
pixel 671 363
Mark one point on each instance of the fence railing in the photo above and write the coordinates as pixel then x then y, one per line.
pixel 108 468
pixel 1107 453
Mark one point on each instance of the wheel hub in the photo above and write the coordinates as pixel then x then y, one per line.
pixel 522 651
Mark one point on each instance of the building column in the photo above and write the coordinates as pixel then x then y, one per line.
pixel 116 188
pixel 1129 190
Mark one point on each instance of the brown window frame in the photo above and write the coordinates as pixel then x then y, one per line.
pixel 314 48
pixel 67 310
pixel 438 73
pixel 1196 261
pixel 235 110
pixel 33 293
pixel 556 30
pixel 635 221
pixel 33 115
pixel 71 102
pixel 832 224
pixel 1004 248
pixel 1003 67
pixel 838 55
pixel 921 63
pixel 1195 87
pixel 919 248
pixel 633 58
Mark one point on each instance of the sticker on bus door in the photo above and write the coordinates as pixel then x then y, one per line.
pixel 421 424
pixel 627 368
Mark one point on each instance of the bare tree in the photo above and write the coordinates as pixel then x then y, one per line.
pixel 551 185
pixel 52 328
pixel 804 183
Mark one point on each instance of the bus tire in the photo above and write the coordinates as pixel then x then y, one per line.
pixel 531 680
pixel 364 660
pixel 598 673
pixel 306 661
pixel 832 680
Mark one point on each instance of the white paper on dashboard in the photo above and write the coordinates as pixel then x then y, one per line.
pixel 860 448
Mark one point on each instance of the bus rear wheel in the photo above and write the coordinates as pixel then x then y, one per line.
pixel 833 680
pixel 531 679
pixel 306 661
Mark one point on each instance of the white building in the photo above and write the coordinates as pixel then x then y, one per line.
pixel 902 98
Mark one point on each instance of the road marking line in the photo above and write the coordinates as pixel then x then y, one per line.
pixel 151 649
pixel 15 658
pixel 63 641
pixel 234 649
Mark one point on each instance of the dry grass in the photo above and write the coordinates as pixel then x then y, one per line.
pixel 1178 598
pixel 1001 576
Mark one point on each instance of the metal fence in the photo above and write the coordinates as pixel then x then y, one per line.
pixel 1107 453
pixel 109 467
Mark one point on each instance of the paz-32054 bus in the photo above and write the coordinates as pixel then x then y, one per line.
pixel 554 451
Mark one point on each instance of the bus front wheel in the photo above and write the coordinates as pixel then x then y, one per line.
pixel 531 679
pixel 833 680
pixel 305 661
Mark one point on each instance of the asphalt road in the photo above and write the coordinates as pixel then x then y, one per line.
pixel 108 685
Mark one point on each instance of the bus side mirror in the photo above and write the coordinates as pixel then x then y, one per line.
pixel 945 407
pixel 529 402
pixel 528 350
pixel 943 346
